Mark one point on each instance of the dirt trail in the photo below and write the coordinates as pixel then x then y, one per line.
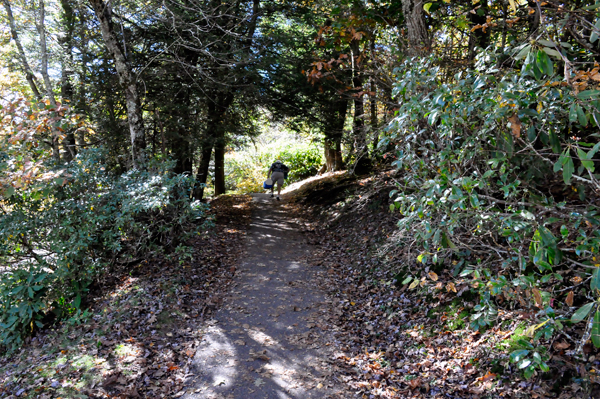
pixel 265 341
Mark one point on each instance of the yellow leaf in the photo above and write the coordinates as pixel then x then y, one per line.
pixel 513 5
pixel 529 332
pixel 433 276
pixel 413 285
pixel 450 287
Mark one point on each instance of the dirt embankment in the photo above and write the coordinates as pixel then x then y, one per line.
pixel 411 338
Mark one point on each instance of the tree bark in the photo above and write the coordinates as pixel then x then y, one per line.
pixel 374 120
pixel 418 34
pixel 202 176
pixel 363 161
pixel 128 83
pixel 479 37
pixel 66 89
pixel 222 101
pixel 41 28
pixel 333 135
pixel 220 164
pixel 31 79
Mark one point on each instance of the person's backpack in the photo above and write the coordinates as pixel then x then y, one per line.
pixel 280 167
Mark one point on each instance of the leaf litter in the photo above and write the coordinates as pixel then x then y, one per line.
pixel 141 331
pixel 403 337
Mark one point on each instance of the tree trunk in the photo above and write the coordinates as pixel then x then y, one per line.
pixel 478 37
pixel 181 144
pixel 202 175
pixel 222 103
pixel 41 28
pixel 220 164
pixel 333 136
pixel 374 120
pixel 83 48
pixel 363 161
pixel 31 79
pixel 128 83
pixel 418 34
pixel 66 88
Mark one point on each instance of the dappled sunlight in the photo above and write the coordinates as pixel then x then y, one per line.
pixel 262 338
pixel 263 342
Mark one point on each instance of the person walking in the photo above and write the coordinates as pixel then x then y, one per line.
pixel 277 172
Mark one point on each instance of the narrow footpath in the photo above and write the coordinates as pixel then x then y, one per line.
pixel 268 339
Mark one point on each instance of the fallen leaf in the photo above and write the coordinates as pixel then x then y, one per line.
pixel 569 300
pixel 488 376
pixel 450 287
pixel 258 382
pixel 537 296
pixel 414 384
pixel 433 276
pixel 515 125
pixel 561 345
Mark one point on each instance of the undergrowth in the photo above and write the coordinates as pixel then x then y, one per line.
pixel 498 188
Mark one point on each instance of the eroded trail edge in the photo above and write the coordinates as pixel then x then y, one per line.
pixel 269 339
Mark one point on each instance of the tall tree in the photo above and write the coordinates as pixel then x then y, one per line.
pixel 416 28
pixel 128 82
pixel 30 76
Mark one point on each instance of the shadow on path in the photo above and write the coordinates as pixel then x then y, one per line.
pixel 264 341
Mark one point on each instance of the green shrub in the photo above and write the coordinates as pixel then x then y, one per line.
pixel 58 236
pixel 497 167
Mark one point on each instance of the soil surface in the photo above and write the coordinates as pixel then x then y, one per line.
pixel 269 338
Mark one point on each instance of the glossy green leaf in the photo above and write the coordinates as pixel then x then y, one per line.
pixel 523 53
pixel 518 355
pixel 595 281
pixel 581 116
pixel 568 170
pixel 587 94
pixel 596 330
pixel 544 63
pixel 573 113
pixel 583 157
pixel 582 312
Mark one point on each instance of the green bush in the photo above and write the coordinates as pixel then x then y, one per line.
pixel 497 170
pixel 58 236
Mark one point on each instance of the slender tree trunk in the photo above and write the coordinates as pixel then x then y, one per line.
pixel 333 136
pixel 31 79
pixel 223 101
pixel 82 46
pixel 127 81
pixel 374 121
pixel 181 145
pixel 41 28
pixel 363 160
pixel 202 176
pixel 418 34
pixel 220 164
pixel 479 37
pixel 66 89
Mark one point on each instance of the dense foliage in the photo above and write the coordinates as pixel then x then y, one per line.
pixel 500 186
pixel 63 226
